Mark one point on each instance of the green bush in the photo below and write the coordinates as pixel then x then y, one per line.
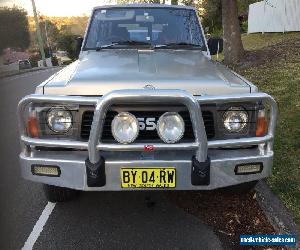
pixel 244 27
pixel 34 58
pixel 217 33
pixel 54 61
pixel 67 42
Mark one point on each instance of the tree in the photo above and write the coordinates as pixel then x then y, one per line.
pixel 67 42
pixel 233 47
pixel 243 5
pixel 14 28
pixel 50 32
pixel 212 16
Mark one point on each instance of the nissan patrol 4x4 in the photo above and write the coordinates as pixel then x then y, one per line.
pixel 144 107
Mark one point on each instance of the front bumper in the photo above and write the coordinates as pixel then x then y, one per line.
pixel 73 168
pixel 87 155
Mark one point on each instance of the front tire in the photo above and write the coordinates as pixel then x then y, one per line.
pixel 59 194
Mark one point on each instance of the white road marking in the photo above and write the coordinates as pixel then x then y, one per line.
pixel 38 227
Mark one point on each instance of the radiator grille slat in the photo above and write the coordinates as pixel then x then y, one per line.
pixel 146 135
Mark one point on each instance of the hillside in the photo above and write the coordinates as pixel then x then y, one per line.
pixel 75 24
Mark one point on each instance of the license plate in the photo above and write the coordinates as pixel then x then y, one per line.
pixel 148 177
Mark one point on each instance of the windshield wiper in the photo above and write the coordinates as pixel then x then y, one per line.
pixel 177 45
pixel 125 42
pixel 105 46
pixel 132 42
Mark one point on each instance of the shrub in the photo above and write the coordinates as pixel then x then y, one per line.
pixel 244 26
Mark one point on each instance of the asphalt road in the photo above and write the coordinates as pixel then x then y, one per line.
pixel 106 220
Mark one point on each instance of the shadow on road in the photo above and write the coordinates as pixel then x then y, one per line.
pixel 127 220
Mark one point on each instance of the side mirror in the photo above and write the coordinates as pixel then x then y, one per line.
pixel 79 41
pixel 215 45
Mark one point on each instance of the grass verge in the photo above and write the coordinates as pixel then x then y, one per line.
pixel 273 64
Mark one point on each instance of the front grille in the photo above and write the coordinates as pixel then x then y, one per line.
pixel 146 135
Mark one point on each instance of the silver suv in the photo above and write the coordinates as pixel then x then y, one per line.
pixel 145 107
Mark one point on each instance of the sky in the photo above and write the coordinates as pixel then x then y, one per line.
pixel 58 7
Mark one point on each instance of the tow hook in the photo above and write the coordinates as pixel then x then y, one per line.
pixel 200 175
pixel 95 173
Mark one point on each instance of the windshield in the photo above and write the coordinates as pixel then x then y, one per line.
pixel 143 26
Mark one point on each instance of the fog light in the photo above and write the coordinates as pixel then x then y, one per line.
pixel 125 128
pixel 249 168
pixel 170 127
pixel 52 171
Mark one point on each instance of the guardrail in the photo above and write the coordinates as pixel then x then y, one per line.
pixel 102 104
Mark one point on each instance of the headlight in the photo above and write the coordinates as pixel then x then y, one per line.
pixel 59 120
pixel 125 128
pixel 235 119
pixel 170 127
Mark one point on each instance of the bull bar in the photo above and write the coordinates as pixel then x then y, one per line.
pixel 102 104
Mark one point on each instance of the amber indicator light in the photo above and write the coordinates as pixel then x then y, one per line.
pixel 32 127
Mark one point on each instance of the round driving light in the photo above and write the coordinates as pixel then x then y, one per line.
pixel 235 119
pixel 125 128
pixel 170 127
pixel 59 120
